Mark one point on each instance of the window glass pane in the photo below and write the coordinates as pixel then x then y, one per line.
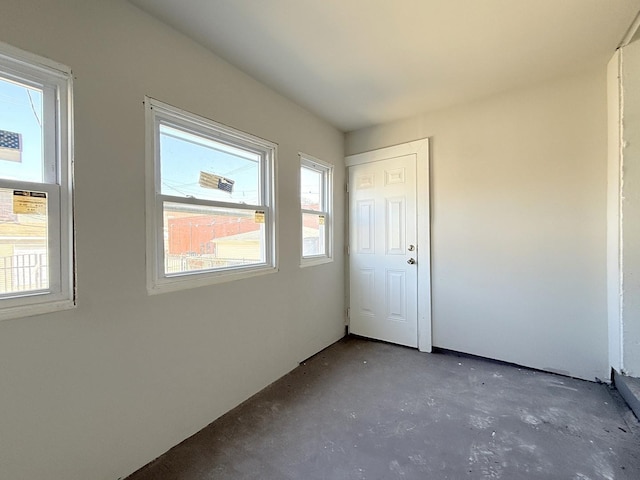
pixel 23 241
pixel 310 189
pixel 313 236
pixel 21 146
pixel 198 167
pixel 207 238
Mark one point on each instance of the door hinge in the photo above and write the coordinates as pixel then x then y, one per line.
pixel 348 313
pixel 348 248
pixel 346 187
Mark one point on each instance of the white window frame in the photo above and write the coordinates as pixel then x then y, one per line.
pixel 158 113
pixel 55 81
pixel 326 192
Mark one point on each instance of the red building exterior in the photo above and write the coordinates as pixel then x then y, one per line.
pixel 194 234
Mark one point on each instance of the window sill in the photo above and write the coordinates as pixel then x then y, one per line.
pixel 188 281
pixel 21 311
pixel 312 262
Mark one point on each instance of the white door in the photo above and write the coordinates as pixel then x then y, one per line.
pixel 383 265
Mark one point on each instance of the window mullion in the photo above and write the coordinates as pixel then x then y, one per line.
pixel 209 203
pixel 315 212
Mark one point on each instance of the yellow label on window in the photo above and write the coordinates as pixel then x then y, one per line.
pixel 29 202
pixel 259 216
pixel 321 220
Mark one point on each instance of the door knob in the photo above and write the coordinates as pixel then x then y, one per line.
pixel 411 248
pixel 411 261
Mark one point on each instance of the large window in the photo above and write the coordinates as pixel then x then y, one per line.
pixel 210 197
pixel 315 205
pixel 36 239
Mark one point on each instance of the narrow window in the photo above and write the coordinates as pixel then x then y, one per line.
pixel 210 195
pixel 36 217
pixel 315 204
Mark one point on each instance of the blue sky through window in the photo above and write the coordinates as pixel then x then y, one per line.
pixel 21 112
pixel 183 156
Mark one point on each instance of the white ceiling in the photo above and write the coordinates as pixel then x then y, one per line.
pixel 363 62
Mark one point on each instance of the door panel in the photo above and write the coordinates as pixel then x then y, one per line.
pixel 383 285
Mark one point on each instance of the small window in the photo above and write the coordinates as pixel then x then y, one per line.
pixel 315 205
pixel 36 227
pixel 210 194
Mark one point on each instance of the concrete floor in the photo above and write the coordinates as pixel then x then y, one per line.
pixel 369 410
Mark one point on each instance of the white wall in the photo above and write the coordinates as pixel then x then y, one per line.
pixel 518 223
pixel 96 392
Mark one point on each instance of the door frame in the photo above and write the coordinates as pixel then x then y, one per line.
pixel 419 148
